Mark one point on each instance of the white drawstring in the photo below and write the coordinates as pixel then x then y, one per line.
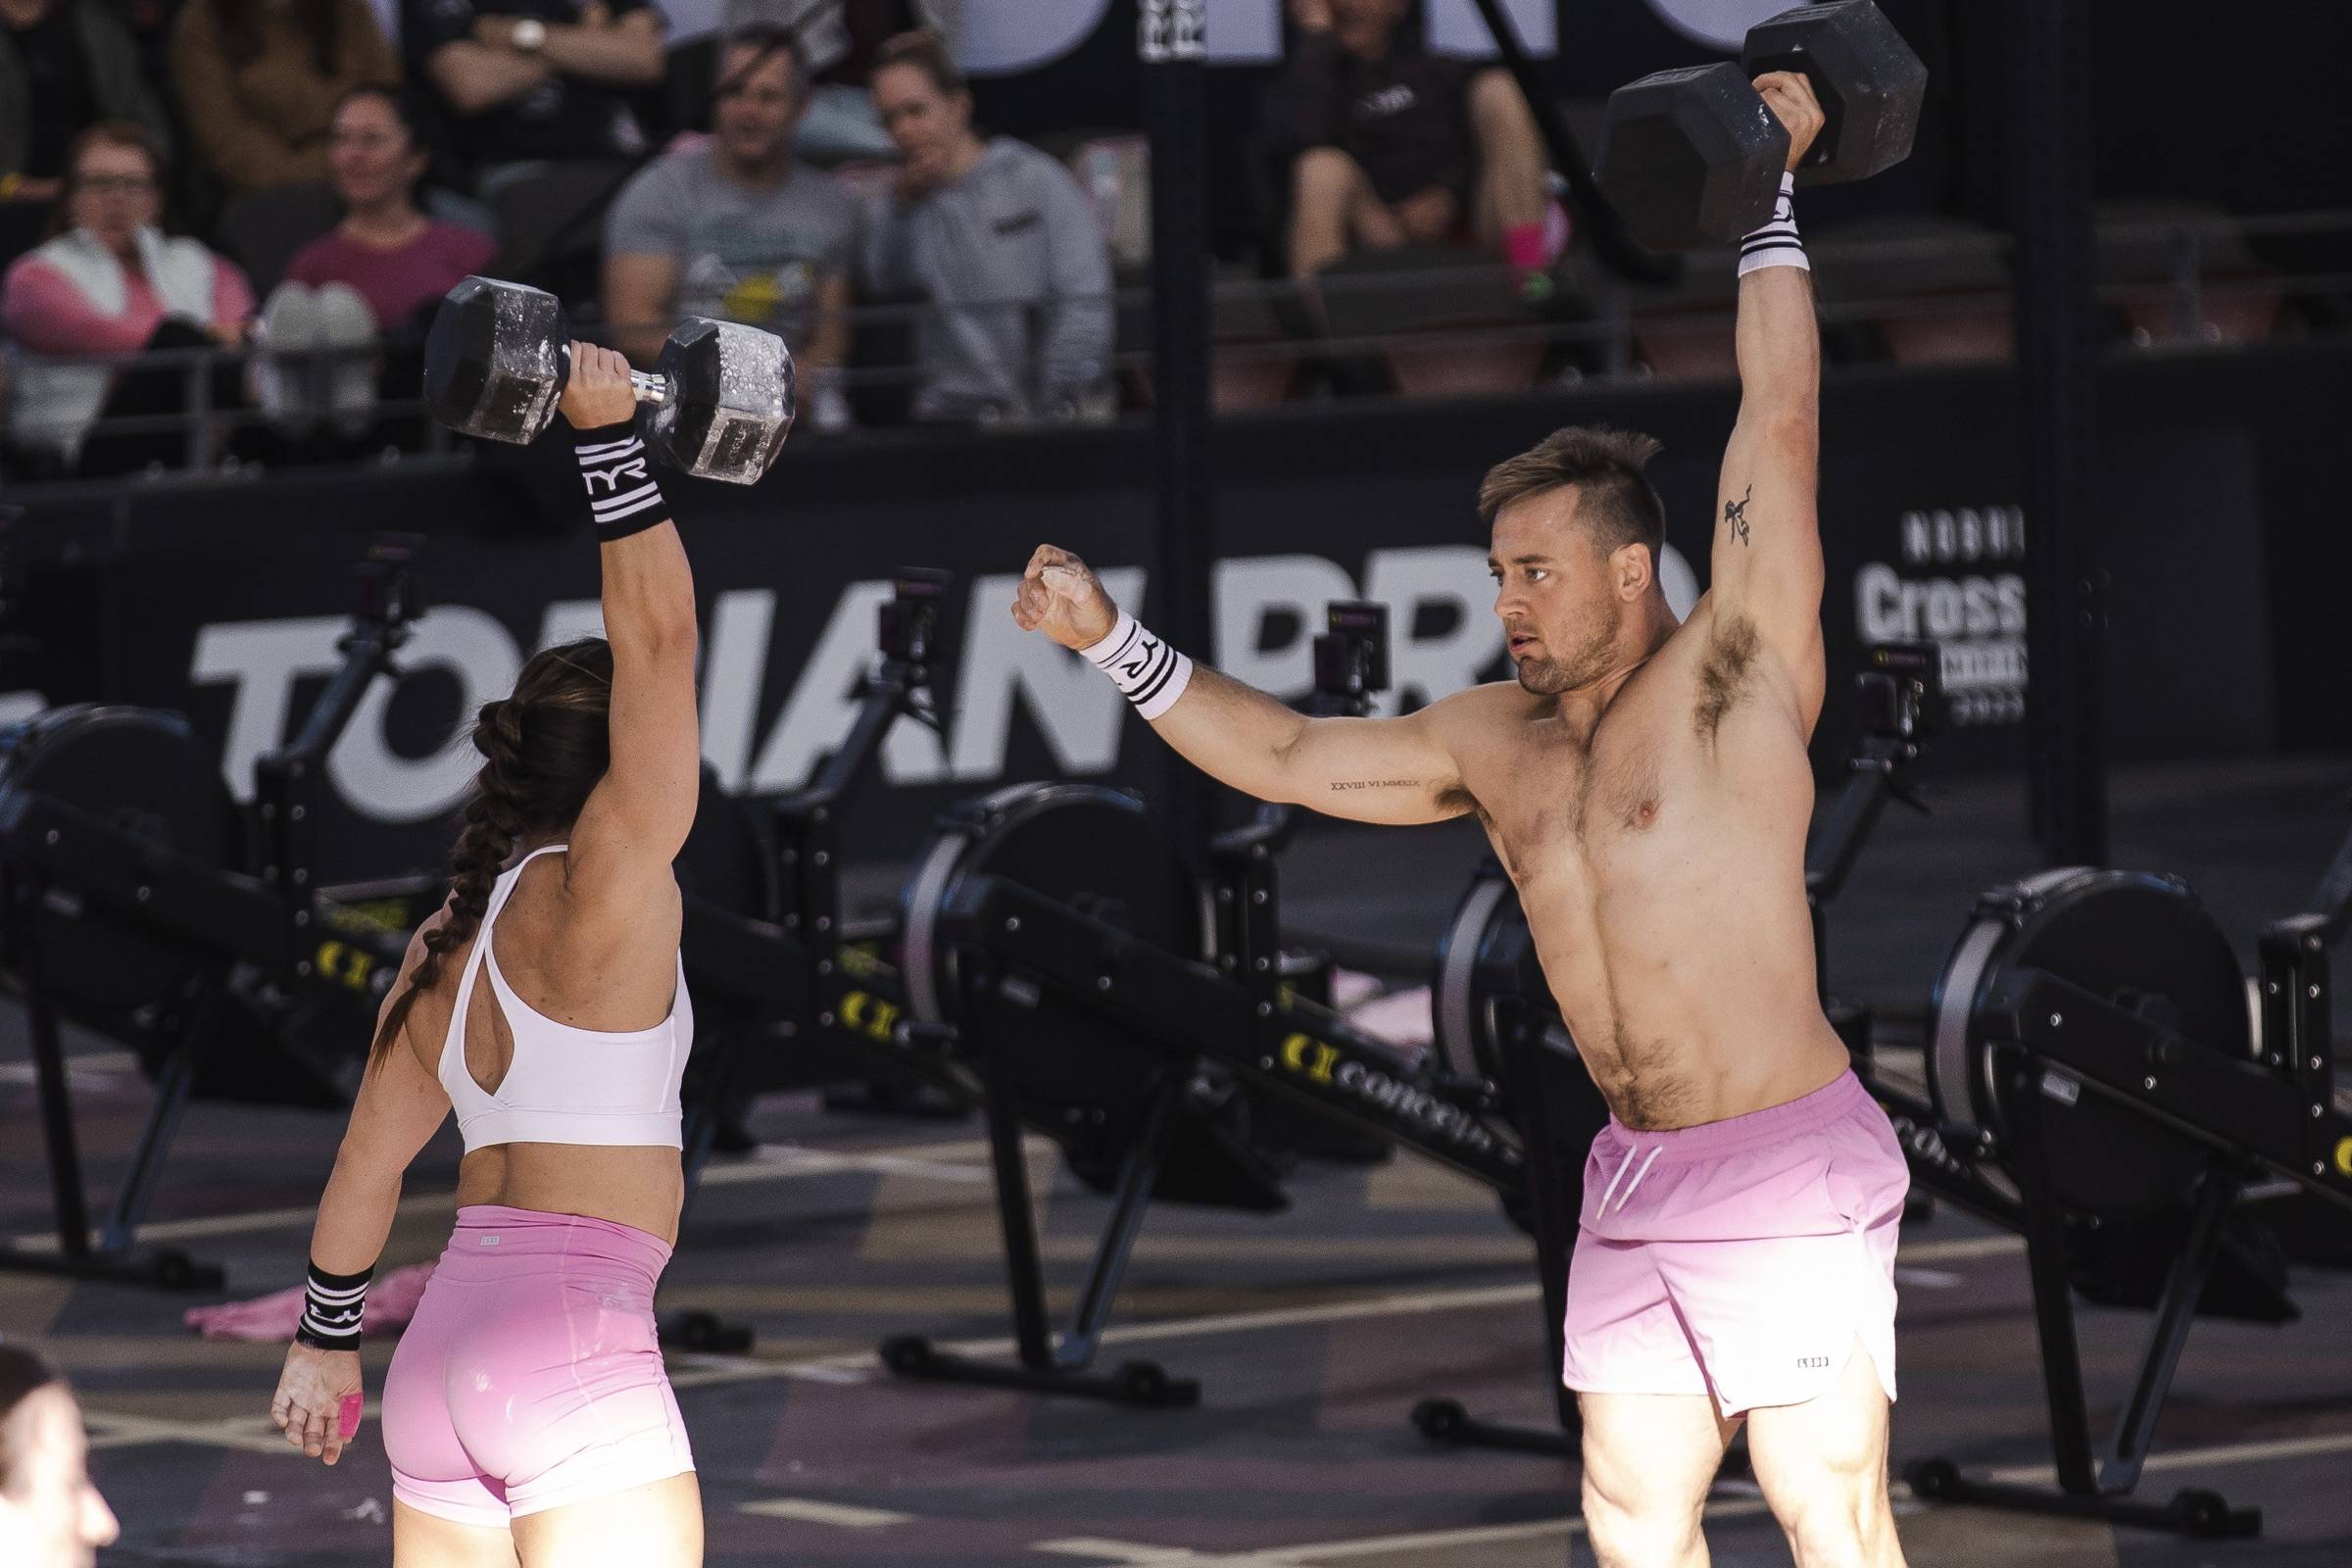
pixel 1649 1159
pixel 1611 1191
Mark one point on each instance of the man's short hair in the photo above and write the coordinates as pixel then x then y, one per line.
pixel 1603 467
pixel 770 39
pixel 927 51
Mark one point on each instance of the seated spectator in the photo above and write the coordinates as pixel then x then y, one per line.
pixel 64 65
pixel 51 1517
pixel 259 81
pixel 363 295
pixel 400 261
pixel 739 229
pixel 999 239
pixel 535 81
pixel 1397 145
pixel 110 282
pixel 840 41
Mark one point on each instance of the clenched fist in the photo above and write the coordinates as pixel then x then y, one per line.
pixel 1790 97
pixel 600 392
pixel 1061 598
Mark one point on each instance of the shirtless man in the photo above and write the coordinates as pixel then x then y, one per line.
pixel 1645 783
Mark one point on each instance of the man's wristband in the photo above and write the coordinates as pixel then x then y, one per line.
pixel 623 497
pixel 1150 673
pixel 1776 244
pixel 331 1306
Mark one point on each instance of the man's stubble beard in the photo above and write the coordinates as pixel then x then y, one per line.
pixel 1549 677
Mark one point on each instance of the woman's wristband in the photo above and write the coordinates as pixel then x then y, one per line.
pixel 1776 244
pixel 1150 673
pixel 331 1307
pixel 623 497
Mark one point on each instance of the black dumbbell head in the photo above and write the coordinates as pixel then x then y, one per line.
pixel 1691 157
pixel 731 404
pixel 496 360
pixel 1869 83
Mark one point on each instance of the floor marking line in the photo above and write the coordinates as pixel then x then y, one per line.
pixel 703 1371
pixel 774 1162
pixel 2219 1453
pixel 1296 1557
pixel 809 1510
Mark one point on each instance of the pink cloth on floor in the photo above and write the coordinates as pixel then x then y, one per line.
pixel 391 1302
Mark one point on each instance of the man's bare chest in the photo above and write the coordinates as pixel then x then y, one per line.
pixel 1557 805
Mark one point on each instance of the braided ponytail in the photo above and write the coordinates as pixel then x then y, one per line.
pixel 543 750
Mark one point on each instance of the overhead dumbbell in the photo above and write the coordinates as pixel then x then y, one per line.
pixel 718 403
pixel 1694 156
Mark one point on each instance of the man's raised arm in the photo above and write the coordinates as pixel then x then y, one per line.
pixel 1767 565
pixel 1392 770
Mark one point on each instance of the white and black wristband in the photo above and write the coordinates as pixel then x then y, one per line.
pixel 1150 673
pixel 623 497
pixel 331 1307
pixel 1776 244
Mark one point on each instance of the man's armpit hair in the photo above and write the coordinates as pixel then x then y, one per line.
pixel 1456 800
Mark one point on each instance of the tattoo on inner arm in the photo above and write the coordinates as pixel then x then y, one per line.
pixel 1735 513
pixel 1375 784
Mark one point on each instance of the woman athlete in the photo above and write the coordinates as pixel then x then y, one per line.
pixel 526 1412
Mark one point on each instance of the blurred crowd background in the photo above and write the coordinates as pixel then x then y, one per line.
pixel 224 223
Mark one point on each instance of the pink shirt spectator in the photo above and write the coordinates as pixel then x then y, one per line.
pixel 396 282
pixel 46 313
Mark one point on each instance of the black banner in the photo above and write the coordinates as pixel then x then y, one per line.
pixel 227 601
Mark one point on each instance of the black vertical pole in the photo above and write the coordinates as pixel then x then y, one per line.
pixel 1169 38
pixel 2050 191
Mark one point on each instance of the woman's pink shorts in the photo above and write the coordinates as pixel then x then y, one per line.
pixel 530 1377
pixel 1739 1258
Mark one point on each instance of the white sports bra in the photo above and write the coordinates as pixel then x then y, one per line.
pixel 566 1085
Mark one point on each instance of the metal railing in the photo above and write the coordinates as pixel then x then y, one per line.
pixel 2180 272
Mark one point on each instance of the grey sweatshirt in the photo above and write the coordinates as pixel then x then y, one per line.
pixel 1019 279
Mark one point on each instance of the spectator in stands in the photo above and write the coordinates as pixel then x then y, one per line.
pixel 258 82
pixel 535 81
pixel 363 293
pixel 400 261
pixel 840 41
pixel 1394 144
pixel 999 239
pixel 738 229
pixel 107 282
pixel 64 65
pixel 51 1515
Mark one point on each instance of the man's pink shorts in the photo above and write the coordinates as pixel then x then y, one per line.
pixel 1742 1259
pixel 530 1376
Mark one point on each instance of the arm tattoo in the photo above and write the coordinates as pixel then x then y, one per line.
pixel 1735 513
pixel 1375 784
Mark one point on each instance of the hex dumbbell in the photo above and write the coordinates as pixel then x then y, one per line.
pixel 1693 157
pixel 718 403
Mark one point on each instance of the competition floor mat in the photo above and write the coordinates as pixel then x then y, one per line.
pixel 1313 1333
